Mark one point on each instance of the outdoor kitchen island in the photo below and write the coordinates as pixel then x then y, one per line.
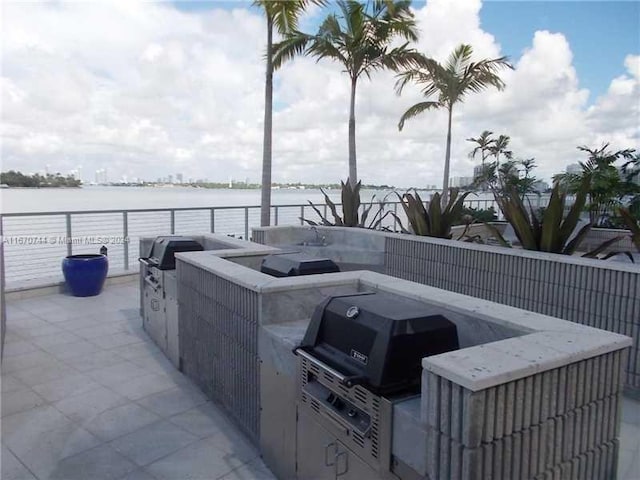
pixel 524 396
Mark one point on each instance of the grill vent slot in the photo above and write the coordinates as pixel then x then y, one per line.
pixel 358 439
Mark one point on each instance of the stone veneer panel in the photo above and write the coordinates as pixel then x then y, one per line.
pixel 218 341
pixel 605 296
pixel 562 422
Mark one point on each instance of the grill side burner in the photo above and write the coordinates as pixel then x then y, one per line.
pixel 296 264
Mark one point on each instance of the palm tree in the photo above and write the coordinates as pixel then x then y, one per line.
pixel 283 15
pixel 451 82
pixel 359 38
pixel 483 145
pixel 499 147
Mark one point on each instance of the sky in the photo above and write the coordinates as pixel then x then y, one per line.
pixel 152 89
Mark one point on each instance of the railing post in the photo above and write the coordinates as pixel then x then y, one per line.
pixel 213 220
pixel 275 215
pixel 246 223
pixel 395 216
pixel 173 222
pixel 125 232
pixel 69 246
pixel 301 214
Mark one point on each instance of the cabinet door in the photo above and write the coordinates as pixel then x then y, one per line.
pixel 351 467
pixel 316 450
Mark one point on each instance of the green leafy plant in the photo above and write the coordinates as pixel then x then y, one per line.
pixel 351 204
pixel 479 214
pixel 605 186
pixel 434 220
pixel 632 224
pixel 552 231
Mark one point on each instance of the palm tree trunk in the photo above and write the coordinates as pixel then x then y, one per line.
pixel 265 197
pixel 353 170
pixel 447 159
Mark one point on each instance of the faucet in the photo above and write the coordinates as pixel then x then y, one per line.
pixel 318 240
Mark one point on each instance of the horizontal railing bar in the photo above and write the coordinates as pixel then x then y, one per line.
pixel 149 210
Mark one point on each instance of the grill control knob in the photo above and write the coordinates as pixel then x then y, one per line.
pixel 353 312
pixel 352 413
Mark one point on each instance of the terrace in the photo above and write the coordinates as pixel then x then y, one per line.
pixel 87 395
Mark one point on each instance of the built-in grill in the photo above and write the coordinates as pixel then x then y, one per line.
pixel 361 353
pixel 159 291
pixel 295 264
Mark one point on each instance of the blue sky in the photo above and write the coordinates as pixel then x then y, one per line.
pixel 600 33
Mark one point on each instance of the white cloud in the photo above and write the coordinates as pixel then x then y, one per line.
pixel 147 90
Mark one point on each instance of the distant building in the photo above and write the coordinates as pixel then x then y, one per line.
pixel 459 182
pixel 170 179
pixel 179 178
pixel 101 176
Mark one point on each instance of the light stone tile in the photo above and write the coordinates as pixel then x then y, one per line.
pixel 204 420
pixel 116 340
pixel 143 386
pixel 19 401
pixel 100 463
pixel 35 331
pixel 85 406
pixel 65 387
pixel 153 442
pixel 93 361
pixel 120 421
pixel 133 350
pixel 70 350
pixel 254 470
pixel 41 374
pixel 92 332
pixel 203 460
pixel 118 373
pixel 24 428
pixel 11 384
pixel 27 361
pixel 43 454
pixel 19 348
pixel 58 338
pixel 173 401
pixel 141 474
pixel 12 469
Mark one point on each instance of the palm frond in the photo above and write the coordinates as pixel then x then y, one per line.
pixel 416 110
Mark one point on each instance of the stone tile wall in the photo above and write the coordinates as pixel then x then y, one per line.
pixel 560 423
pixel 600 294
pixel 218 341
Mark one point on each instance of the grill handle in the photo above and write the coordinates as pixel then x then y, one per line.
pixel 303 354
pixel 353 380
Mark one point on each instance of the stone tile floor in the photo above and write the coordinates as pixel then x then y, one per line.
pixel 86 395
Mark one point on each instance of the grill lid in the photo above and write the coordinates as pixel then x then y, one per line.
pixel 378 339
pixel 164 248
pixel 295 264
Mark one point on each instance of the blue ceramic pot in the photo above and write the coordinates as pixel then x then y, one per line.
pixel 85 274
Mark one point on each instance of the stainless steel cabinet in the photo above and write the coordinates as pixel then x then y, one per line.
pixel 320 456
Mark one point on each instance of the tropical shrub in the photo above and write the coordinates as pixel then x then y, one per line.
pixel 351 204
pixel 478 215
pixel 431 221
pixel 632 224
pixel 606 187
pixel 551 231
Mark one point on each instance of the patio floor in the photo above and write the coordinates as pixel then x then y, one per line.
pixel 87 395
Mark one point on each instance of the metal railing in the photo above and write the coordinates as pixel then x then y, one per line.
pixel 36 242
